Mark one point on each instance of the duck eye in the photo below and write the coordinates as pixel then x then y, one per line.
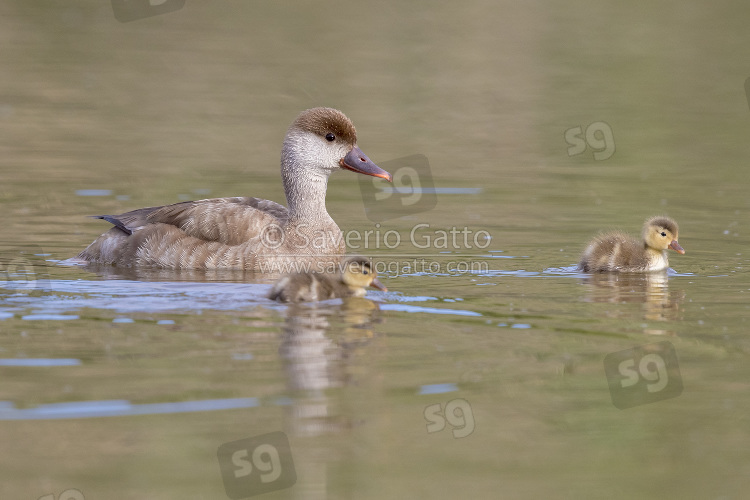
pixel 330 137
pixel 365 272
pixel 663 233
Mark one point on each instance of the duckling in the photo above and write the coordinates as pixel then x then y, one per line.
pixel 356 274
pixel 252 234
pixel 619 252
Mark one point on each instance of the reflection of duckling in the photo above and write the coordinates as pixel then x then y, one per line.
pixel 619 252
pixel 357 274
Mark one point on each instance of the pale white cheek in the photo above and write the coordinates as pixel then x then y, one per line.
pixel 334 154
pixel 313 151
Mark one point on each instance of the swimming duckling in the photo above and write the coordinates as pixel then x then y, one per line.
pixel 357 274
pixel 620 252
pixel 248 233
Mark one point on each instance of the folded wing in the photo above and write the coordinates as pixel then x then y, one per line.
pixel 231 221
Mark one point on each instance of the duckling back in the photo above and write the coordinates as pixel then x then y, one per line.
pixel 308 287
pixel 615 252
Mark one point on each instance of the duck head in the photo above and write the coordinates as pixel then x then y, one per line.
pixel 358 274
pixel 660 233
pixel 323 140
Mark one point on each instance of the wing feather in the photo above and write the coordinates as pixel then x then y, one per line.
pixel 230 221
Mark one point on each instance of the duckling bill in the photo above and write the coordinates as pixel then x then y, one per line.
pixel 356 275
pixel 619 252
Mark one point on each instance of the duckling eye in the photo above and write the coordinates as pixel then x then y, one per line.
pixel 330 137
pixel 365 272
pixel 663 233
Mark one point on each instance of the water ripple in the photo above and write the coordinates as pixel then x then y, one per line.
pixel 118 408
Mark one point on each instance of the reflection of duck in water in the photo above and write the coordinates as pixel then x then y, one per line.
pixel 620 252
pixel 650 289
pixel 356 275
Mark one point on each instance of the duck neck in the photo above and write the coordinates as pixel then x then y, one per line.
pixel 305 189
pixel 306 197
pixel 657 259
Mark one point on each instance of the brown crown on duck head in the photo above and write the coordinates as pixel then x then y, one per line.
pixel 323 121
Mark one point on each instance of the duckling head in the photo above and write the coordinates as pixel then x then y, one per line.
pixel 660 233
pixel 358 273
pixel 323 140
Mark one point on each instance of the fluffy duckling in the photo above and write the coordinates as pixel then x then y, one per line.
pixel 357 273
pixel 248 233
pixel 620 252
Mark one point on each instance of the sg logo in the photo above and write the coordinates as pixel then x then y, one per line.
pixel 457 413
pixel 411 192
pixel 256 465
pixel 26 273
pixel 132 10
pixel 643 375
pixel 71 494
pixel 598 136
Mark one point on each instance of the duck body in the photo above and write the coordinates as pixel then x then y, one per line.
pixel 248 233
pixel 221 233
pixel 619 252
pixel 355 275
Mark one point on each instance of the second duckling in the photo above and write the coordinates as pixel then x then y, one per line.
pixel 356 275
pixel 620 252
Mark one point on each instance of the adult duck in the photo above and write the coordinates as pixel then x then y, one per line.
pixel 356 273
pixel 620 252
pixel 248 233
